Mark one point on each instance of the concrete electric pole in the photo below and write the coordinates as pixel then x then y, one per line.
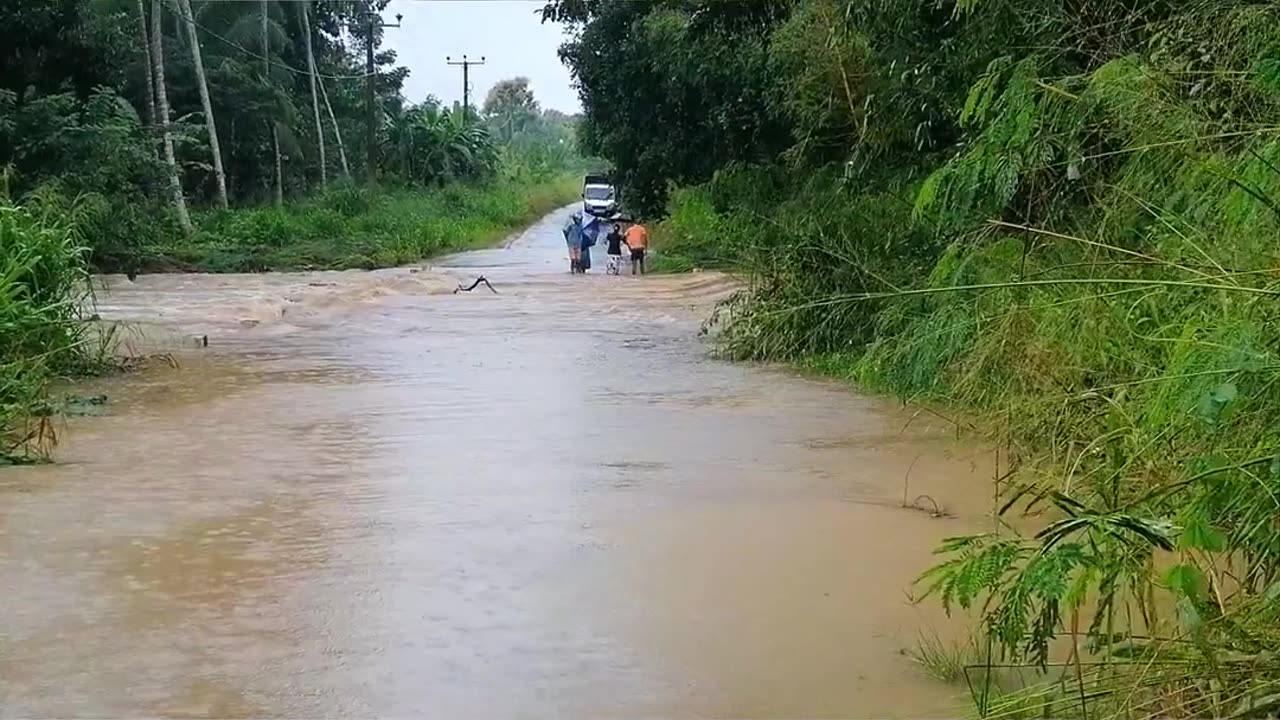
pixel 374 21
pixel 466 78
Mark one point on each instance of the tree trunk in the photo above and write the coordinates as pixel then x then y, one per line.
pixel 275 143
pixel 337 131
pixel 162 115
pixel 266 78
pixel 202 82
pixel 146 65
pixel 315 97
pixel 177 31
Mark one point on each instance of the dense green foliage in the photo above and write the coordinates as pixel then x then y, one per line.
pixel 1057 215
pixel 43 286
pixel 535 143
pixel 80 115
pixel 434 146
pixel 77 111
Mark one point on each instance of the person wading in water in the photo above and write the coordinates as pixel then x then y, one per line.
pixel 614 250
pixel 573 239
pixel 637 238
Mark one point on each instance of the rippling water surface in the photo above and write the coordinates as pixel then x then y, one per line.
pixel 372 497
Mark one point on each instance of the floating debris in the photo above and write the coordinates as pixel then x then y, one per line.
pixel 479 280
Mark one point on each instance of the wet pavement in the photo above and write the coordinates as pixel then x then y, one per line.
pixel 370 496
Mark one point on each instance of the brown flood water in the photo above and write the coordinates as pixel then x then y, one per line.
pixel 371 497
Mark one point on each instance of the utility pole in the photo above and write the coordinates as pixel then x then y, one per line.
pixel 374 21
pixel 466 79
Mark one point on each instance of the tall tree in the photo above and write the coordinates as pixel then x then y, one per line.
pixel 202 84
pixel 162 112
pixel 266 78
pixel 337 131
pixel 315 100
pixel 510 105
pixel 150 95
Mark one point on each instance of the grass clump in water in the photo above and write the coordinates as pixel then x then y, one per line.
pixel 44 296
pixel 944 660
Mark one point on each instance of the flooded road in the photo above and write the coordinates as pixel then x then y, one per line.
pixel 371 497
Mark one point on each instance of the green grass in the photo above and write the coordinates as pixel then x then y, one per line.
pixel 945 660
pixel 693 236
pixel 43 334
pixel 357 227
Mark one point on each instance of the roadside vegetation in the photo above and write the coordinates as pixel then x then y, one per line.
pixel 200 135
pixel 1057 217
pixel 195 135
pixel 353 227
pixel 44 331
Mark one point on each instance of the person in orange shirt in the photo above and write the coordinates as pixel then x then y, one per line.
pixel 637 239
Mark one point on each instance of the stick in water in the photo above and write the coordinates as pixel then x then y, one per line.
pixel 479 280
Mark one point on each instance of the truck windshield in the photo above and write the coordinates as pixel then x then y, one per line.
pixel 598 193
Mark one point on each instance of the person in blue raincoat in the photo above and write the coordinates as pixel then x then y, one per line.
pixel 573 238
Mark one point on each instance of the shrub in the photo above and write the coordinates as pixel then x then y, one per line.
pixel 44 292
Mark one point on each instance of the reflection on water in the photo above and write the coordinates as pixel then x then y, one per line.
pixel 372 496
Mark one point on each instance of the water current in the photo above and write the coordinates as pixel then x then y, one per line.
pixel 370 496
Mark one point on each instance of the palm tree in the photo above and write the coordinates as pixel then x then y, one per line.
pixel 337 131
pixel 162 112
pixel 252 28
pixel 266 78
pixel 202 83
pixel 150 94
pixel 315 101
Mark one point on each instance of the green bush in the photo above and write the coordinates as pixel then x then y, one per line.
pixel 349 199
pixel 92 153
pixel 695 235
pixel 44 292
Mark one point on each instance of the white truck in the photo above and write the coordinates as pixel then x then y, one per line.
pixel 599 198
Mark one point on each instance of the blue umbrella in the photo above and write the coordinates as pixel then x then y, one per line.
pixel 593 228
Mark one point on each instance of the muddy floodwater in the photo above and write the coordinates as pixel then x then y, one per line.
pixel 369 496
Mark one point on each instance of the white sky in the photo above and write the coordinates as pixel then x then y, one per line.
pixel 507 33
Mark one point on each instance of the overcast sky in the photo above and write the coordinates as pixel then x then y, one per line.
pixel 508 33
